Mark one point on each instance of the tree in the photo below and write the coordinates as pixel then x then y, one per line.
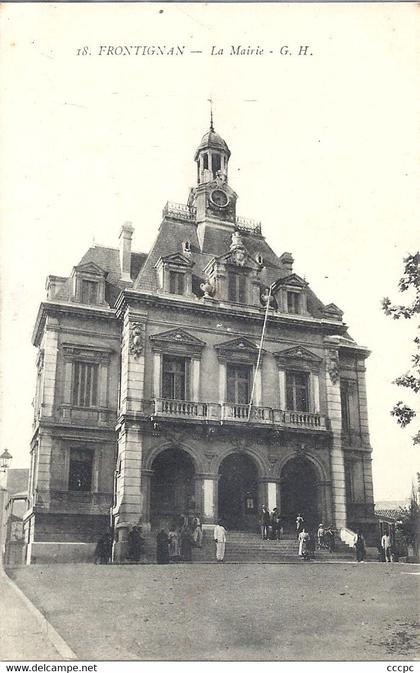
pixel 410 282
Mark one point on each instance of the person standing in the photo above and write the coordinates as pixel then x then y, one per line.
pixel 186 539
pixel 162 547
pixel 304 545
pixel 265 523
pixel 359 546
pixel 135 544
pixel 197 530
pixel 275 524
pixel 220 539
pixel 321 536
pixel 386 547
pixel 299 525
pixel 173 545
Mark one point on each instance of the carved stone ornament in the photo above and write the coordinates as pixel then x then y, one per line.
pixel 300 450
pixel 208 289
pixel 267 297
pixel 332 366
pixel 136 339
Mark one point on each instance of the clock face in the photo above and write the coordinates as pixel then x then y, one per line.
pixel 219 198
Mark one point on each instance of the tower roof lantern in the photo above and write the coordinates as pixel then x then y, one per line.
pixel 212 140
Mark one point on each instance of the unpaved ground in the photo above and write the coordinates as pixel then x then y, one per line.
pixel 275 612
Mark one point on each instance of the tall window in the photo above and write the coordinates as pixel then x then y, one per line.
pixel 215 163
pixel 236 287
pixel 85 384
pixel 175 378
pixel 345 406
pixel 80 472
pixel 297 397
pixel 89 294
pixel 176 282
pixel 238 384
pixel 293 302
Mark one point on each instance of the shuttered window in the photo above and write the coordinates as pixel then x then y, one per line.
pixel 238 384
pixel 237 287
pixel 85 384
pixel 176 282
pixel 89 292
pixel 175 378
pixel 80 470
pixel 297 389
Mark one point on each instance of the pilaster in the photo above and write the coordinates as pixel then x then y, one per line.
pixel 50 345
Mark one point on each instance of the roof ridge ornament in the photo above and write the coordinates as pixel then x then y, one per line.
pixel 210 100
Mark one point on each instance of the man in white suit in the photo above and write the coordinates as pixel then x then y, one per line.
pixel 220 539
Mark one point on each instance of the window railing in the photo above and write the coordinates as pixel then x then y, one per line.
pixel 237 413
pixel 179 210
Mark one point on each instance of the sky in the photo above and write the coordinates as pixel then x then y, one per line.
pixel 323 153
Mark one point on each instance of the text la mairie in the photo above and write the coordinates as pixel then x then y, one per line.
pixel 147 364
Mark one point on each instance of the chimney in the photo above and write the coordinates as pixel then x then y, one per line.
pixel 287 260
pixel 125 250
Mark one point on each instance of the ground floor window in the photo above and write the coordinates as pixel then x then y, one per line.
pixel 80 470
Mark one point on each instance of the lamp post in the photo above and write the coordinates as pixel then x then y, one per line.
pixel 5 460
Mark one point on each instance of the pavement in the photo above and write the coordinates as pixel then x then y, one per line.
pixel 275 612
pixel 25 634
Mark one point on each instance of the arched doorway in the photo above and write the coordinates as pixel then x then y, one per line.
pixel 238 492
pixel 172 487
pixel 299 493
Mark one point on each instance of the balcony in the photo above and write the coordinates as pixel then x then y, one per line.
pixel 238 414
pixel 248 226
pixel 179 211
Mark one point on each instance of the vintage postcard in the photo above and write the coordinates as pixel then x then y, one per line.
pixel 205 456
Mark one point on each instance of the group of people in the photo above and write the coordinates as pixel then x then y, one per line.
pixel 176 544
pixel 271 524
pixel 308 541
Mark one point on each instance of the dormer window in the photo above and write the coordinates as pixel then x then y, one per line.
pixel 236 287
pixel 176 282
pixel 293 302
pixel 186 247
pixel 259 258
pixel 175 274
pixel 89 284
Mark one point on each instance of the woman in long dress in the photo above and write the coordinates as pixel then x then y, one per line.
pixel 162 547
pixel 303 544
pixel 359 546
pixel 173 545
pixel 186 542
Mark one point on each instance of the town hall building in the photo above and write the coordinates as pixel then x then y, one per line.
pixel 204 376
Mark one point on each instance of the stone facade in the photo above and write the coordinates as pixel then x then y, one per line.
pixel 147 366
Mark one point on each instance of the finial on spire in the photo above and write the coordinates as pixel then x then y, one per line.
pixel 211 114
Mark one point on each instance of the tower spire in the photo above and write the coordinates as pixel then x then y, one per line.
pixel 211 115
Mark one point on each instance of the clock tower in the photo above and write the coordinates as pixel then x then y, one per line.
pixel 213 198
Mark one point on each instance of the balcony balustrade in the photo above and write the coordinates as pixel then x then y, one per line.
pixel 237 413
pixel 248 225
pixel 179 211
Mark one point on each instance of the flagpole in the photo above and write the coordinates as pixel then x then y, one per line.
pixel 259 352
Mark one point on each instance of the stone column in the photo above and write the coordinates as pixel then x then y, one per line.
pixel 195 379
pixel 282 389
pixel 209 511
pixel 146 479
pixel 332 378
pixel 130 439
pixel 50 346
pixel 271 495
pixel 315 404
pixel 157 366
pixel 258 388
pixel 222 382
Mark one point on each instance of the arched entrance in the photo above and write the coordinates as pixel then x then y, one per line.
pixel 238 492
pixel 172 487
pixel 299 493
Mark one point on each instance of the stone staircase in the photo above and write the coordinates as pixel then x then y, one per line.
pixel 248 547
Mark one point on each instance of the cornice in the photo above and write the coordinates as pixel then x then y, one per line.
pixel 129 296
pixel 54 309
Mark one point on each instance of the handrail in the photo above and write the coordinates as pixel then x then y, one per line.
pixel 348 536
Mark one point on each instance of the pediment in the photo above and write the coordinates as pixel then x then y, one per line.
pixel 238 344
pixel 175 339
pixel 293 280
pixel 177 259
pixel 298 353
pixel 89 268
pixel 332 310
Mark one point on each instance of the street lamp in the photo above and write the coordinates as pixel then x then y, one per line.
pixel 5 459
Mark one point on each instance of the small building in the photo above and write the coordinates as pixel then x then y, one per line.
pixel 205 375
pixel 13 488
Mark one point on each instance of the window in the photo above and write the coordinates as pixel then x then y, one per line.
pixel 236 287
pixel 175 375
pixel 238 384
pixel 297 398
pixel 176 282
pixel 89 294
pixel 293 302
pixel 348 472
pixel 80 472
pixel 85 384
pixel 205 161
pixel 215 163
pixel 345 406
